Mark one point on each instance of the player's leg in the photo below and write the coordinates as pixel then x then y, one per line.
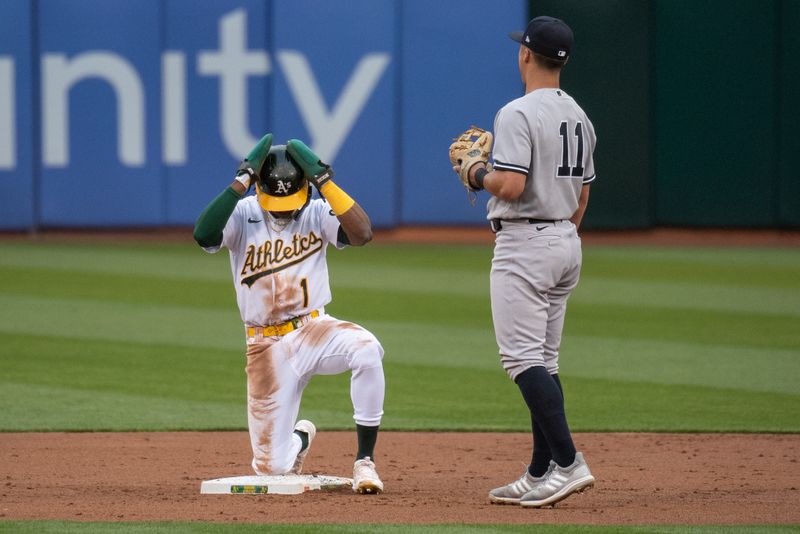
pixel 544 389
pixel 519 312
pixel 359 351
pixel 526 266
pixel 569 472
pixel 346 346
pixel 367 389
pixel 274 391
pixel 542 455
pixel 557 298
pixel 328 346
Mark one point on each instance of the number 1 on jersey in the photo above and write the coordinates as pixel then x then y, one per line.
pixel 304 285
pixel 564 170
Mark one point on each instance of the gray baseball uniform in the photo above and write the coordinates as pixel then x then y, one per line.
pixel 548 137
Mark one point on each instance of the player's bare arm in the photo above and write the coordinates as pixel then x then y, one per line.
pixel 505 185
pixel 356 224
pixel 583 201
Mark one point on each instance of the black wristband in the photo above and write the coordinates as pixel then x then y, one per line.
pixel 480 174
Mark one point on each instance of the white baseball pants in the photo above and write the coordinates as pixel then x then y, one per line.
pixel 278 370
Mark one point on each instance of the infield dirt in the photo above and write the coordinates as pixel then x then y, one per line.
pixel 642 478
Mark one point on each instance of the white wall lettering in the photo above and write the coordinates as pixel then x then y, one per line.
pixel 329 129
pixel 59 75
pixel 328 125
pixel 8 115
pixel 173 108
pixel 233 63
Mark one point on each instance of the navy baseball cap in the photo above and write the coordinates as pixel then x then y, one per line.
pixel 547 36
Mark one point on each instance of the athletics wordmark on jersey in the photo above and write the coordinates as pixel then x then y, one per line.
pixel 273 256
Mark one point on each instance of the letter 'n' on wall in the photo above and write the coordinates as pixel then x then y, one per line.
pixel 60 74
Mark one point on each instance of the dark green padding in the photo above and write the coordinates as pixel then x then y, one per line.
pixel 305 157
pixel 209 226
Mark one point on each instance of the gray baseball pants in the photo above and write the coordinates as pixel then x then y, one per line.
pixel 534 270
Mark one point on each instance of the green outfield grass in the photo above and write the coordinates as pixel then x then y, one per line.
pixel 147 337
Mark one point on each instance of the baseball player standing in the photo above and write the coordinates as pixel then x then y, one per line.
pixel 277 241
pixel 540 188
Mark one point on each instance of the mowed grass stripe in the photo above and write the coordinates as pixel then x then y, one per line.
pixel 404 272
pixel 164 371
pixel 743 267
pixel 688 295
pixel 165 260
pixel 162 322
pixel 701 327
pixel 50 408
pixel 677 360
pixel 150 323
pixel 611 406
pixel 179 286
pixel 600 319
pixel 113 386
pixel 127 288
pixel 51 383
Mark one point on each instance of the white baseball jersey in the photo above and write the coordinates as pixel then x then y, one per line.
pixel 548 137
pixel 279 272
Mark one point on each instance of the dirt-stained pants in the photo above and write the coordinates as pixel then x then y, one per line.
pixel 278 370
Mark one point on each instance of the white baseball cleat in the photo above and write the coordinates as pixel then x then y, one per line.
pixel 559 484
pixel 365 477
pixel 308 427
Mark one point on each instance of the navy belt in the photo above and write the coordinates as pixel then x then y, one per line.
pixel 497 224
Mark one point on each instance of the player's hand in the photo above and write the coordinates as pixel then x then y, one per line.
pixel 470 176
pixel 315 171
pixel 469 149
pixel 251 165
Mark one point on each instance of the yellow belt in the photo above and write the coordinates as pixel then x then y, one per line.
pixel 283 328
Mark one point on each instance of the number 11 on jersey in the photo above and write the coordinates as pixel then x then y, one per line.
pixel 564 170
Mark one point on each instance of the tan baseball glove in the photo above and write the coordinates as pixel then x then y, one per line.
pixel 469 148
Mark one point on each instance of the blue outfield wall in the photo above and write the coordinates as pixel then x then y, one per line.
pixel 99 113
pixel 207 122
pixel 446 88
pixel 117 113
pixel 17 187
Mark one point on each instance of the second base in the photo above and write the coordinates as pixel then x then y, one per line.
pixel 274 484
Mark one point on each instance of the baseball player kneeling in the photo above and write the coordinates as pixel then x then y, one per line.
pixel 277 241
